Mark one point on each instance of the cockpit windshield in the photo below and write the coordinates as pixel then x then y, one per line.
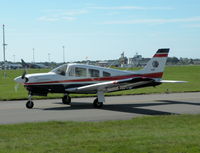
pixel 61 70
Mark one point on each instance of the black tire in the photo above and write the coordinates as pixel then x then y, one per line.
pixel 66 100
pixel 29 104
pixel 97 104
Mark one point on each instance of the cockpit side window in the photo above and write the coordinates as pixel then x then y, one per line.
pixel 93 73
pixel 61 70
pixel 106 74
pixel 80 72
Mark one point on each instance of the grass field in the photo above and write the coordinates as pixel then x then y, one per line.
pixel 155 134
pixel 186 73
pixel 151 134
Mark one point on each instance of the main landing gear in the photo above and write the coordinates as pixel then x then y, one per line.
pixel 66 99
pixel 98 102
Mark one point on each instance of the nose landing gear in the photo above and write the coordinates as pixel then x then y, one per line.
pixel 29 103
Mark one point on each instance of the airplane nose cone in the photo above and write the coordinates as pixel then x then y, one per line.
pixel 19 80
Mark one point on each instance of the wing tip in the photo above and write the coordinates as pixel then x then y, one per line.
pixel 172 81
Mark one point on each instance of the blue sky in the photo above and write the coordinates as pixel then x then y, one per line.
pixel 99 29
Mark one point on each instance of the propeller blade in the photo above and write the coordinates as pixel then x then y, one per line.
pixel 23 75
pixel 24 64
pixel 16 87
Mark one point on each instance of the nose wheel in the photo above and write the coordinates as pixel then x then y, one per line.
pixel 29 103
pixel 66 99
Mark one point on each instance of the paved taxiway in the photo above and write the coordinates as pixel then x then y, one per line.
pixel 115 108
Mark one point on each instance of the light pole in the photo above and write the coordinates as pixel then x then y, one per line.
pixel 49 57
pixel 4 47
pixel 14 58
pixel 63 54
pixel 33 55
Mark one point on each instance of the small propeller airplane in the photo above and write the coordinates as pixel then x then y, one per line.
pixel 89 79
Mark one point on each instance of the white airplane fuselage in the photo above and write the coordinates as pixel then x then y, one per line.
pixel 86 79
pixel 76 75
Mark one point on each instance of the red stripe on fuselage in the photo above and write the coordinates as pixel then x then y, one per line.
pixel 160 55
pixel 151 75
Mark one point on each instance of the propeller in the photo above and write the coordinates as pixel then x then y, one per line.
pixel 21 79
pixel 24 64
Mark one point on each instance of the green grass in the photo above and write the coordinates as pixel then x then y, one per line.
pixel 186 73
pixel 154 134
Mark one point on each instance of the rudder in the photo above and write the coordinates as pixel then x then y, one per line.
pixel 157 63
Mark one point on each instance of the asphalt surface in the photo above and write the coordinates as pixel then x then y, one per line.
pixel 115 108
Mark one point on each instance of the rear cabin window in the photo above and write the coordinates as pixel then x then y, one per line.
pixel 72 72
pixel 80 72
pixel 93 73
pixel 106 74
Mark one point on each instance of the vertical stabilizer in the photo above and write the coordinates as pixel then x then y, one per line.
pixel 157 63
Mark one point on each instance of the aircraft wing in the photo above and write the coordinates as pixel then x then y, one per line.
pixel 116 85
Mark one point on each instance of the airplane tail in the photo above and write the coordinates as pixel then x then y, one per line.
pixel 156 65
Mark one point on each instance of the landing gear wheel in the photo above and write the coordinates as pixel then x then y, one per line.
pixel 29 104
pixel 66 99
pixel 97 104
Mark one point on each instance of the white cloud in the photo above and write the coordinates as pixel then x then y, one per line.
pixel 75 12
pixel 68 18
pixel 67 12
pixel 153 21
pixel 56 18
pixel 45 18
pixel 129 8
pixel 58 15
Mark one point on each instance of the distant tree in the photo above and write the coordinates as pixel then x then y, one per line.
pixel 191 61
pixel 173 60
